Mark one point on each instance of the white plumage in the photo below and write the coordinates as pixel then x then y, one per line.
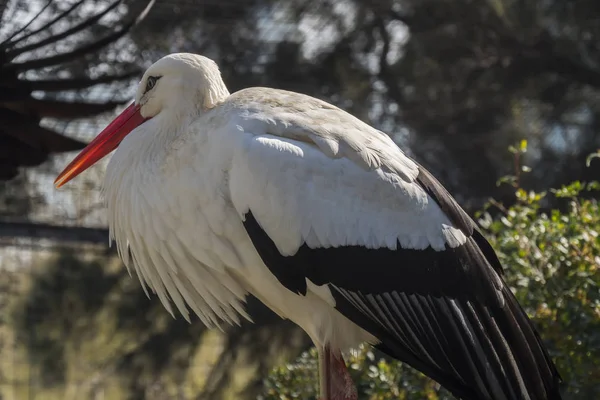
pixel 184 187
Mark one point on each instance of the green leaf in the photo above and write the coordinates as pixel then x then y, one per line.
pixel 523 146
pixel 511 180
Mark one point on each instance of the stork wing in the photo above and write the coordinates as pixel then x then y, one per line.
pixel 327 198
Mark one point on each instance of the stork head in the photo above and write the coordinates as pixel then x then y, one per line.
pixel 176 87
pixel 180 83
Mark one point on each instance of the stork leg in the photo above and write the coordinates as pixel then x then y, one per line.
pixel 335 382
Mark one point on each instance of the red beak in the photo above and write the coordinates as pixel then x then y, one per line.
pixel 104 143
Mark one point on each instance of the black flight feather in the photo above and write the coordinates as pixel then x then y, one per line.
pixel 447 313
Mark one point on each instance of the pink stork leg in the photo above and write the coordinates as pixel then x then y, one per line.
pixel 334 379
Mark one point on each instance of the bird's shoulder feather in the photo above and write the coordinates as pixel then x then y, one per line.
pixel 332 130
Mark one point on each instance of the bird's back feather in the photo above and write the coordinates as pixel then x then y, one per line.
pixel 338 205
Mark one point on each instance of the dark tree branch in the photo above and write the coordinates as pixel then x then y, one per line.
pixel 54 85
pixel 9 231
pixel 28 131
pixel 16 152
pixel 23 141
pixel 10 93
pixel 405 19
pixel 55 38
pixel 24 27
pixel 7 43
pixel 62 109
pixel 385 74
pixel 81 51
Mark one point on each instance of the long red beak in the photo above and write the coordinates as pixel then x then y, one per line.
pixel 104 143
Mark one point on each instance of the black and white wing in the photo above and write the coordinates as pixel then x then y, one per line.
pixel 328 199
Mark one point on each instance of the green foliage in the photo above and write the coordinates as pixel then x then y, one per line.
pixel 377 378
pixel 551 261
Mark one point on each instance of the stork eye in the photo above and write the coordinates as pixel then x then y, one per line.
pixel 151 82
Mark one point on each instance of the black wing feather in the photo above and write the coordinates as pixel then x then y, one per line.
pixel 447 313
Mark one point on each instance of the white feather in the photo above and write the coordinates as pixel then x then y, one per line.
pixel 179 186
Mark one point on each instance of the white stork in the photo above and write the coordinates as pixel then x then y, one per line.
pixel 212 196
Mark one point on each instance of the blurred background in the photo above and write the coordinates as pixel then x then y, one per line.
pixel 500 99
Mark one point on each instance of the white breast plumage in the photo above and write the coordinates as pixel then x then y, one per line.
pixel 169 242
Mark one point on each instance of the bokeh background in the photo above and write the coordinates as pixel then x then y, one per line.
pixel 500 99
